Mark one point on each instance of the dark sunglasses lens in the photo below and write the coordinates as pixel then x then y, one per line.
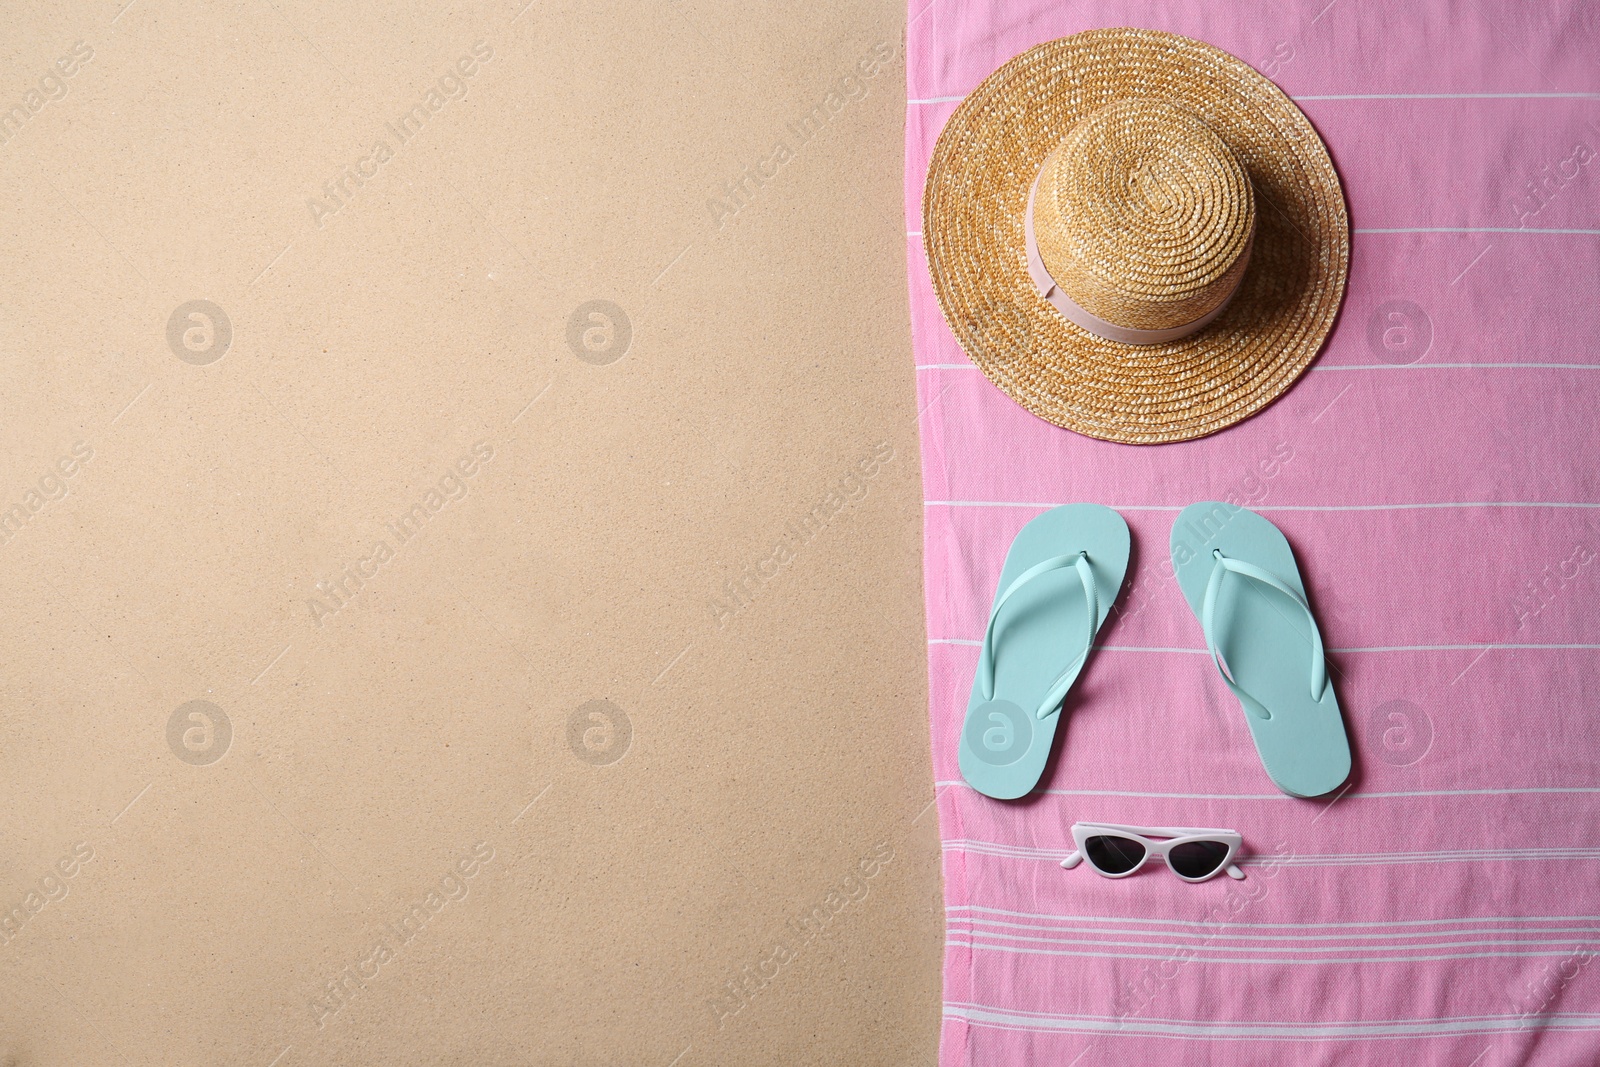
pixel 1114 855
pixel 1196 859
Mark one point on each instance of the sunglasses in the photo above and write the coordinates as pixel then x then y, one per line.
pixel 1117 851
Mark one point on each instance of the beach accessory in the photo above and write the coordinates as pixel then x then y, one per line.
pixel 1061 574
pixel 1239 575
pixel 1117 851
pixel 1134 235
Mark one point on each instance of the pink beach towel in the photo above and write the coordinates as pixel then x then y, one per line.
pixel 1436 473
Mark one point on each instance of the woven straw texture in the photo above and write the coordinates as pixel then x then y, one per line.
pixel 1143 215
pixel 976 198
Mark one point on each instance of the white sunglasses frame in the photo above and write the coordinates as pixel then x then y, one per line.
pixel 1145 836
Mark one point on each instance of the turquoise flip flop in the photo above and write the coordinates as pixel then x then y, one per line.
pixel 1240 578
pixel 1061 574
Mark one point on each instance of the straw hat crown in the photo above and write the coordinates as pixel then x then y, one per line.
pixel 1143 216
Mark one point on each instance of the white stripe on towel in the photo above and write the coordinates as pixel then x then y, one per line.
pixel 1369 96
pixel 1284 507
pixel 1527 790
pixel 1286 1030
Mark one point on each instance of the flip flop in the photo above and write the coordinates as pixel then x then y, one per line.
pixel 1240 578
pixel 1061 574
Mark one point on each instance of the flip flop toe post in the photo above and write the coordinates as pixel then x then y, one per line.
pixel 1060 577
pixel 1240 578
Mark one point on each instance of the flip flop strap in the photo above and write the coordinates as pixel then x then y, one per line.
pixel 1063 682
pixel 1224 564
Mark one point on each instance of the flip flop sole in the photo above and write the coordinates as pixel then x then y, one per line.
pixel 1041 629
pixel 1265 641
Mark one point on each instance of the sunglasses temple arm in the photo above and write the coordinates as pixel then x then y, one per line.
pixel 1234 871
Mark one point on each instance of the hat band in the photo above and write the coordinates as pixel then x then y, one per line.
pixel 1070 308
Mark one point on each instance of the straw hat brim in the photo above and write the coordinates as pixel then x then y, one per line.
pixel 973 210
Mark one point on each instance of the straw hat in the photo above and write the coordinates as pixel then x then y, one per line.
pixel 1135 235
